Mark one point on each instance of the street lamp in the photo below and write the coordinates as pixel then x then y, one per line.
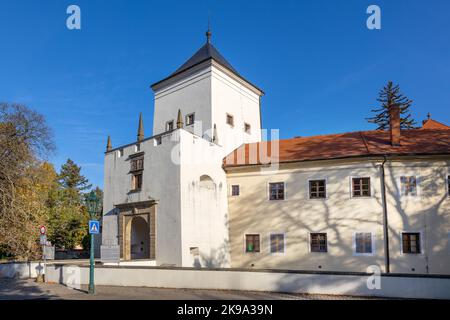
pixel 92 204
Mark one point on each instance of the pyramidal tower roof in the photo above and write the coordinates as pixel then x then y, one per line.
pixel 205 53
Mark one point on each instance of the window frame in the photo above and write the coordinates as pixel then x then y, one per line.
pixel 137 160
pixel 232 120
pixel 309 189
pixel 120 153
pixel 157 141
pixel 270 243
pixel 268 190
pixel 245 242
pixel 231 190
pixel 421 247
pixel 167 125
pixel 371 195
pixel 373 241
pixel 310 242
pixel 417 178
pixel 133 181
pixel 187 118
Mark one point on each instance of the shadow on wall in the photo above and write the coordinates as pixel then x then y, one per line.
pixel 299 216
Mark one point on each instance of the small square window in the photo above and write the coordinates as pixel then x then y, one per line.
pixel 411 242
pixel 317 189
pixel 158 141
pixel 361 187
pixel 247 128
pixel 408 186
pixel 318 242
pixel 136 182
pixel 190 119
pixel 120 153
pixel 277 243
pixel 169 125
pixel 137 147
pixel 252 243
pixel 363 243
pixel 276 191
pixel 235 190
pixel 230 120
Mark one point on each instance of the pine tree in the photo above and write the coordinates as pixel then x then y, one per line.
pixel 389 96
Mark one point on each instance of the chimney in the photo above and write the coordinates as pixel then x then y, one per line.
pixel 394 115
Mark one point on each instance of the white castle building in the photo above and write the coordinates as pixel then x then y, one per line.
pixel 165 197
pixel 202 192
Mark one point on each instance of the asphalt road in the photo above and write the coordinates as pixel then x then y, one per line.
pixel 28 289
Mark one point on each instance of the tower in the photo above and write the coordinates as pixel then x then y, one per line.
pixel 212 96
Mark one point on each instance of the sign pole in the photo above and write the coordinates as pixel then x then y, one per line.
pixel 91 267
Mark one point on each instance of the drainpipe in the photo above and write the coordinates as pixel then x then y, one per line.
pixel 385 217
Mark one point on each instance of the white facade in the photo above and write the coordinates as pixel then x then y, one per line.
pixel 183 179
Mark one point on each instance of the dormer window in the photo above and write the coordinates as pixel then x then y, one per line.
pixel 190 119
pixel 247 128
pixel 169 125
pixel 230 120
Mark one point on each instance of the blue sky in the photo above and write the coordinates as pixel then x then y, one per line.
pixel 320 67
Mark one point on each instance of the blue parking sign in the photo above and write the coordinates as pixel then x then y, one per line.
pixel 94 227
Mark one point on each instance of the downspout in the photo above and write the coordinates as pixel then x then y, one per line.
pixel 385 216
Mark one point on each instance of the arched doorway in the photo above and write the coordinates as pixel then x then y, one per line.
pixel 140 239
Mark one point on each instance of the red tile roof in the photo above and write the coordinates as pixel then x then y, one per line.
pixel 345 145
pixel 433 124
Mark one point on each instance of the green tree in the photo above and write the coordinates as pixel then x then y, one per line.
pixel 390 96
pixel 68 216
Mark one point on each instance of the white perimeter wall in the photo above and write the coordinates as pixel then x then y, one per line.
pixel 336 284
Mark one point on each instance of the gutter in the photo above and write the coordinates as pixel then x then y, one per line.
pixel 385 216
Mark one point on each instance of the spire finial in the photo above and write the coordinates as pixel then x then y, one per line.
pixel 208 32
pixel 108 144
pixel 179 120
pixel 429 116
pixel 140 134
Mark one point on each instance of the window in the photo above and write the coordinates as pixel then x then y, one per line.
pixel 318 242
pixel 361 187
pixel 276 191
pixel 252 243
pixel 235 190
pixel 448 186
pixel 120 153
pixel 411 242
pixel 137 147
pixel 136 182
pixel 363 243
pixel 190 119
pixel 317 189
pixel 169 125
pixel 247 128
pixel 277 243
pixel 408 186
pixel 158 141
pixel 137 164
pixel 230 120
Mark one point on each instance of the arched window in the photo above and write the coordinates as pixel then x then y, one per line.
pixel 206 182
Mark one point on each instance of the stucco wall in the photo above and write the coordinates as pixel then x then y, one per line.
pixel 337 284
pixel 160 182
pixel 340 215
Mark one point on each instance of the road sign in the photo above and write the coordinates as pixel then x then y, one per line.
pixel 110 254
pixel 94 227
pixel 42 230
pixel 43 239
pixel 49 253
